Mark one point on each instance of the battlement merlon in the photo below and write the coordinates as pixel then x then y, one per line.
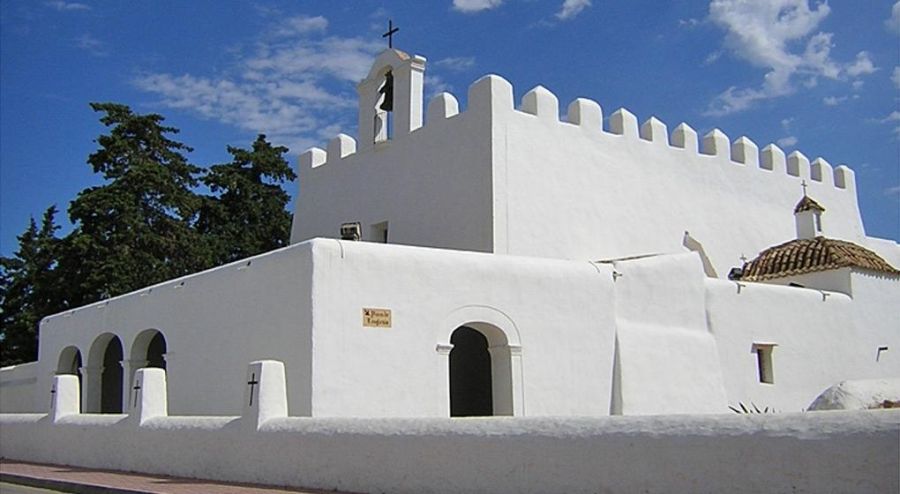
pixel 759 184
pixel 493 95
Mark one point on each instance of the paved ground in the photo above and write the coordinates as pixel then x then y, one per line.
pixel 23 489
pixel 43 479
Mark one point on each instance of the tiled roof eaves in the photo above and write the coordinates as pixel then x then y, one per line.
pixel 807 203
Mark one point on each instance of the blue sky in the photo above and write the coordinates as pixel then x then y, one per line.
pixel 822 78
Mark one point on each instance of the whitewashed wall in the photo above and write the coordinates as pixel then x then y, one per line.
pixel 642 336
pixel 560 314
pixel 18 386
pixel 667 359
pixel 876 317
pixel 810 452
pixel 819 342
pixel 248 310
pixel 578 191
pixel 521 181
pixel 432 186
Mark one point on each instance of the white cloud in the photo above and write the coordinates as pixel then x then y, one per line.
pixel 302 24
pixel 862 65
pixel 456 64
pixel 786 123
pixel 833 100
pixel 857 85
pixel 92 45
pixel 893 23
pixel 895 77
pixel 571 8
pixel 892 191
pixel 769 34
pixel 471 6
pixel 712 57
pixel 787 142
pixel 67 6
pixel 894 116
pixel 285 86
pixel 435 85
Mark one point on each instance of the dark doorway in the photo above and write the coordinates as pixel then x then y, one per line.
pixel 111 378
pixel 156 351
pixel 471 393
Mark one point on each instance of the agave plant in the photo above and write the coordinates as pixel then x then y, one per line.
pixel 752 409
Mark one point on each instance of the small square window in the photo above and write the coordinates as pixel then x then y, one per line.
pixel 380 232
pixel 764 362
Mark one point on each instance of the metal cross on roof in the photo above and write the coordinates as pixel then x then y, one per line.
pixel 804 185
pixel 390 33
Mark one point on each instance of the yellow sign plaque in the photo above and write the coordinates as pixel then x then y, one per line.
pixel 376 318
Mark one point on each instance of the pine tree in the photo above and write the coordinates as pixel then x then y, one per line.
pixel 136 229
pixel 248 216
pixel 29 290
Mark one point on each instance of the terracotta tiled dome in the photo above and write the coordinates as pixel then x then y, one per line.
pixel 809 255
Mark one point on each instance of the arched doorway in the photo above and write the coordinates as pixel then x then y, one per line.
pixel 471 392
pixel 481 371
pixel 105 375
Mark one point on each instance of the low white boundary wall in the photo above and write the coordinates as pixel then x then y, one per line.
pixel 809 452
pixel 17 388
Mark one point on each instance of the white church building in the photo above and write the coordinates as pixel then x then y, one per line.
pixel 513 262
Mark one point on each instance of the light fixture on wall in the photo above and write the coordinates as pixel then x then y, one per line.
pixel 351 231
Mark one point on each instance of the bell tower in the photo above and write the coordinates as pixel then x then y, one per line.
pixel 390 98
pixel 808 217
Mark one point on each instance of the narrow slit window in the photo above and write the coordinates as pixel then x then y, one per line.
pixel 764 367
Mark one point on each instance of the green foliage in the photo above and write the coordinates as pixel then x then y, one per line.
pixel 29 290
pixel 248 214
pixel 145 224
pixel 136 229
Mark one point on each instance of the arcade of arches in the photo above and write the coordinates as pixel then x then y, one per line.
pixel 480 370
pixel 103 379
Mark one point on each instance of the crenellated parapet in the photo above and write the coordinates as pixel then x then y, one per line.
pixel 492 95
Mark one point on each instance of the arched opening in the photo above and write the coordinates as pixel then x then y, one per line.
pixel 148 350
pixel 105 377
pixel 69 361
pixel 384 107
pixel 111 380
pixel 481 371
pixel 470 374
